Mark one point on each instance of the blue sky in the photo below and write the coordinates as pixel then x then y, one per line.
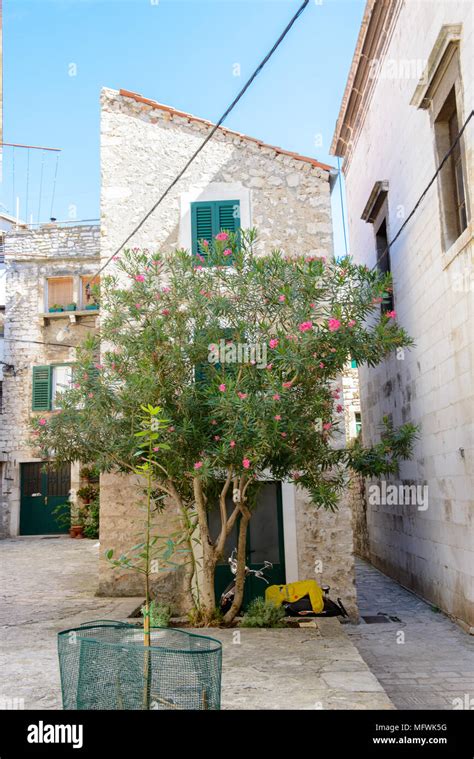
pixel 179 52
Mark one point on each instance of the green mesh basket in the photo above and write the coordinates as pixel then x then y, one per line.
pixel 105 665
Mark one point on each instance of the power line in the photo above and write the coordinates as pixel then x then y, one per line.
pixel 209 137
pixel 342 203
pixel 418 202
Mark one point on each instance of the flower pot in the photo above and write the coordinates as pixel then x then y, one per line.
pixel 92 307
pixel 109 664
pixel 71 307
pixel 80 531
pixel 72 532
pixel 55 310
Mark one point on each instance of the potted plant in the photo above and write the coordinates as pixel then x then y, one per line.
pixel 55 307
pixel 92 307
pixel 87 493
pixel 71 307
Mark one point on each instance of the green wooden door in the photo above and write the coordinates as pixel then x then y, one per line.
pixel 265 542
pixel 42 489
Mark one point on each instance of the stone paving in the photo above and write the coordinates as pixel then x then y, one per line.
pixel 48 585
pixel 425 661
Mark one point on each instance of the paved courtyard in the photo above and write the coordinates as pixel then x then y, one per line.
pixel 425 661
pixel 49 584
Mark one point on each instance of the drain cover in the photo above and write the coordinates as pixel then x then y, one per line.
pixel 376 619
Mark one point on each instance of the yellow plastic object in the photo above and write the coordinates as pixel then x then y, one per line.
pixel 293 591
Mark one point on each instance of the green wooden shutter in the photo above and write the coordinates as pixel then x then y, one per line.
pixel 42 376
pixel 201 224
pixel 228 215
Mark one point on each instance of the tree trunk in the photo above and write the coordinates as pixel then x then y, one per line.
pixel 240 577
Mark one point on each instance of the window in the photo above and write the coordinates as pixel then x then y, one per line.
pixel 210 218
pixel 60 291
pixel 358 422
pixel 451 176
pixel 48 383
pixel 383 261
pixel 87 295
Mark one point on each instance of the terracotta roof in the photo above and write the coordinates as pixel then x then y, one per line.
pixel 174 112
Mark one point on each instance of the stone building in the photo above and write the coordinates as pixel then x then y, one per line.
pixel 47 268
pixel 408 95
pixel 286 196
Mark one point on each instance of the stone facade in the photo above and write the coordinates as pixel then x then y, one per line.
pixel 287 197
pixel 34 337
pixel 387 134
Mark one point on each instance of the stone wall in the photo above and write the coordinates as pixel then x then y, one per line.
pixel 31 257
pixel 288 200
pixel 429 551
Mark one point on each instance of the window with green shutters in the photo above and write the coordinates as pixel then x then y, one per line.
pixel 210 218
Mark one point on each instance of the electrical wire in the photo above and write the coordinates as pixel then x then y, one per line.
pixel 342 203
pixel 206 140
pixel 54 185
pixel 41 186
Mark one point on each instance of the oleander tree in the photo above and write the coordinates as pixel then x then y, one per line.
pixel 242 351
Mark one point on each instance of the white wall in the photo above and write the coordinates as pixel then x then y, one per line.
pixel 429 551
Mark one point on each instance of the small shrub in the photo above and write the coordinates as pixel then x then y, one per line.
pixel 160 614
pixel 263 614
pixel 91 519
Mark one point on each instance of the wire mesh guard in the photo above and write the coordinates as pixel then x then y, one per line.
pixel 105 665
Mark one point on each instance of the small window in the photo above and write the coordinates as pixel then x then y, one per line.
pixel 208 219
pixel 60 291
pixel 358 422
pixel 88 295
pixel 48 383
pixel 451 176
pixel 383 262
pixel 61 381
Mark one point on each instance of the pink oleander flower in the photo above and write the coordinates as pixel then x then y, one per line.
pixel 222 236
pixel 138 306
pixel 166 289
pixel 333 324
pixel 277 417
pixel 165 312
pixel 140 277
pixel 198 465
pixel 205 244
pixel 351 323
pixel 269 367
pixel 42 421
pixel 98 366
pixel 281 298
pixel 222 388
pixel 273 342
pixel 339 408
pixel 327 426
pixel 232 443
pixel 283 434
pixel 77 386
pixel 287 384
pixel 305 326
pixel 376 300
pixel 227 252
pixel 201 258
pixel 246 463
pixel 276 397
pixel 171 429
pixel 115 258
pixel 312 305
pixel 156 448
pixel 391 314
pixel 321 365
pixel 213 421
pixel 198 268
pixel 242 396
pixel 217 437
pixel 296 475
pixel 91 395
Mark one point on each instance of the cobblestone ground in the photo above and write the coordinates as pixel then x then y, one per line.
pixel 425 661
